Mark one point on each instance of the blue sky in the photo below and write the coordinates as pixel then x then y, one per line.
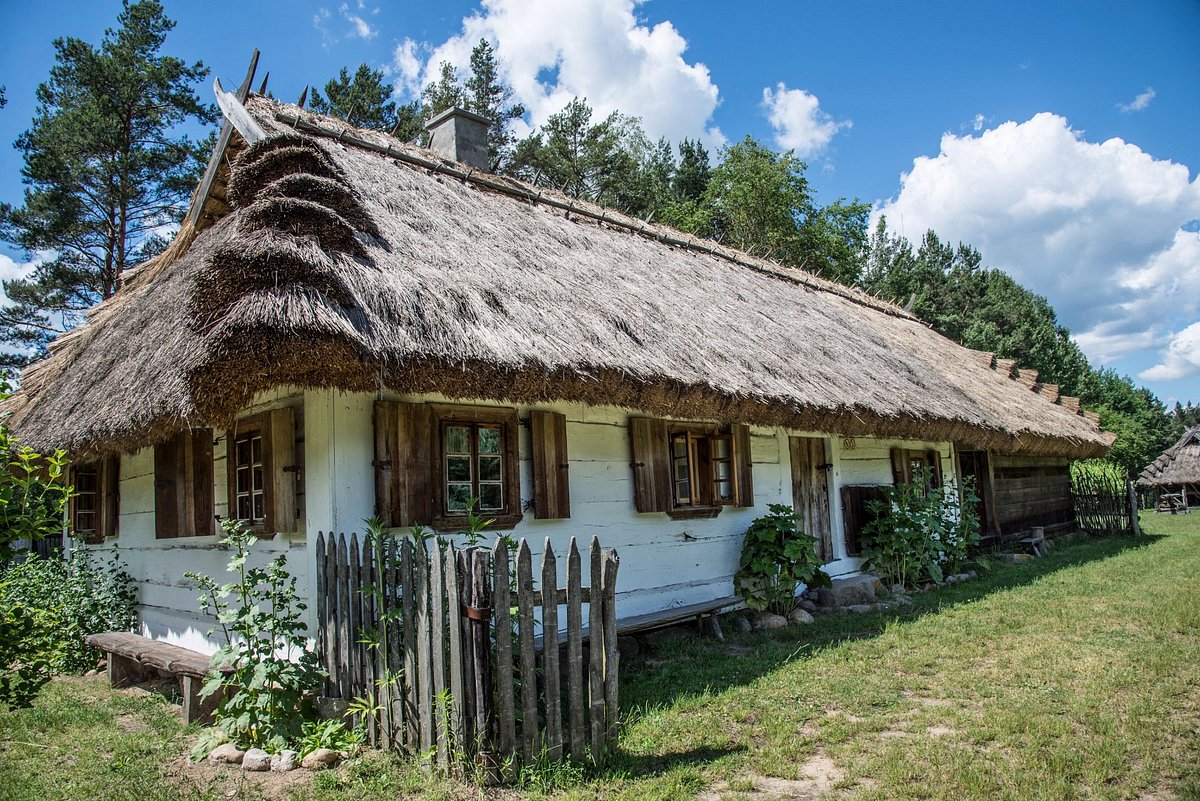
pixel 1058 137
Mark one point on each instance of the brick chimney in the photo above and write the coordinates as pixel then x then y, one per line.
pixel 460 135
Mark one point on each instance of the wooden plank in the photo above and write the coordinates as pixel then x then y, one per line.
pixel 168 485
pixel 550 667
pixel 322 613
pixel 385 462
pixel 468 654
pixel 612 654
pixel 424 669
pixel 529 721
pixel 383 686
pixel 218 154
pixel 485 717
pixel 454 629
pixel 345 686
pixel 408 588
pixel 437 652
pixel 368 631
pixel 810 491
pixel 354 577
pixel 651 466
pixel 199 487
pixel 280 457
pixel 596 652
pixel 502 621
pixel 575 653
pixel 551 484
pixel 743 468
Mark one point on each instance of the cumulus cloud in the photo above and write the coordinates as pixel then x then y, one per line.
pixel 1181 359
pixel 798 121
pixel 1104 230
pixel 552 52
pixel 356 25
pixel 406 60
pixel 1138 103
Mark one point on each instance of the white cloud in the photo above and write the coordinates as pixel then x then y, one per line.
pixel 359 27
pixel 1181 358
pixel 798 121
pixel 356 27
pixel 552 52
pixel 1138 103
pixel 1102 229
pixel 406 59
pixel 977 123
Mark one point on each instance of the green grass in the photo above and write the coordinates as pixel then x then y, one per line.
pixel 1073 676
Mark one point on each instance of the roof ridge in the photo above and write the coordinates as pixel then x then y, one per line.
pixel 296 117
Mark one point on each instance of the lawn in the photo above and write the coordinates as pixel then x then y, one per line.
pixel 1074 676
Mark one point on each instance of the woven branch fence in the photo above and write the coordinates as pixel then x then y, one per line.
pixel 1104 503
pixel 439 651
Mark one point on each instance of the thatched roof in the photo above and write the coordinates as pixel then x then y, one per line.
pixel 333 257
pixel 1178 464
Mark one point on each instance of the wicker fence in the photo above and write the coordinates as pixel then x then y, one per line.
pixel 1105 503
pixel 439 653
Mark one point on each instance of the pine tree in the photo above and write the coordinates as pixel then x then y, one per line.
pixel 443 93
pixel 489 96
pixel 105 169
pixel 363 101
pixel 3 99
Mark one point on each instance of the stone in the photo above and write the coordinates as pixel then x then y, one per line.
pixel 973 574
pixel 902 600
pixel 256 759
pixel 963 577
pixel 767 620
pixel 321 758
pixel 852 590
pixel 742 625
pixel 898 589
pixel 801 616
pixel 807 605
pixel 284 761
pixel 227 753
pixel 861 608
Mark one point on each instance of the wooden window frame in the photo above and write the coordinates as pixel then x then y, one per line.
pixel 183 485
pixel 703 500
pixel 105 499
pixel 248 429
pixel 276 427
pixel 445 415
pixel 904 459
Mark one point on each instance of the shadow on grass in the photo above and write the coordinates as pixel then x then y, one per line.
pixel 637 765
pixel 674 668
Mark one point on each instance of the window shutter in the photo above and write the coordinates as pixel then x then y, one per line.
pixel 900 471
pixel 935 467
pixel 279 454
pixel 183 485
pixel 403 467
pixel 109 496
pixel 856 514
pixel 742 465
pixel 651 467
pixel 551 479
pixel 199 487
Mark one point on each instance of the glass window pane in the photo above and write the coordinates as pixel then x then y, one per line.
pixel 458 439
pixel 720 448
pixel 243 479
pixel 258 478
pixel 489 440
pixel 85 521
pixel 256 449
pixel 723 470
pixel 489 468
pixel 258 507
pixel 241 452
pixel 458 497
pixel 725 490
pixel 458 468
pixel 491 496
pixel 243 508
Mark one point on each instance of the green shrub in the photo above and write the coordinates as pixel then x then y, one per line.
pixel 274 675
pixel 33 493
pixel 776 557
pixel 920 534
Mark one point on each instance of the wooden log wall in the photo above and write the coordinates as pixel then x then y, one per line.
pixel 1031 491
pixel 440 652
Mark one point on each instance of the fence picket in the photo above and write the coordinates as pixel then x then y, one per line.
pixel 612 654
pixel 554 737
pixel 437 652
pixel 502 617
pixel 529 727
pixel 454 630
pixel 424 670
pixel 596 651
pixel 343 623
pixel 408 588
pixel 468 648
pixel 368 633
pixel 575 652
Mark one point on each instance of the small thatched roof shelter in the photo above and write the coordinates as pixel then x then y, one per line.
pixel 336 257
pixel 1177 466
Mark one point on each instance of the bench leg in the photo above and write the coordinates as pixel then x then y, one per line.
pixel 123 671
pixel 195 708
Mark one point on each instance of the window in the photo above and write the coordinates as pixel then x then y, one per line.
pixel 689 469
pixel 907 464
pixel 264 471
pixel 94 511
pixel 473 467
pixel 183 485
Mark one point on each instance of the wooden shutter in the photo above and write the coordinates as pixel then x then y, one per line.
pixel 651 464
pixel 279 465
pixel 934 460
pixel 183 485
pixel 742 466
pixel 403 467
pixel 551 481
pixel 109 486
pixel 856 514
pixel 901 474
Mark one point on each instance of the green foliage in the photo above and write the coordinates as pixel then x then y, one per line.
pixel 331 734
pixel 921 534
pixel 27 650
pixel 776 557
pixel 105 166
pixel 490 96
pixel 268 692
pixel 33 494
pixel 76 598
pixel 363 100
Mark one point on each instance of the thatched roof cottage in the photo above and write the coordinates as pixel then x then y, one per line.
pixel 1175 474
pixel 348 325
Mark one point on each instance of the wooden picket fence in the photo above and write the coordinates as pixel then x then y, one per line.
pixel 432 647
pixel 1104 503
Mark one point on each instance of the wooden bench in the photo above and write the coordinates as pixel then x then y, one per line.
pixel 132 656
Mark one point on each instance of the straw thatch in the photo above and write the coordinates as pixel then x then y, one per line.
pixel 1177 465
pixel 350 260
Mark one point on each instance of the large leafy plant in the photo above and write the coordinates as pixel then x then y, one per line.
pixel 777 556
pixel 920 532
pixel 265 671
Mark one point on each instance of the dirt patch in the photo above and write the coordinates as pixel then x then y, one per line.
pixel 939 731
pixel 816 777
pixel 132 724
pixel 230 781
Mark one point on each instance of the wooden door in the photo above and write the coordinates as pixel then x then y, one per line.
pixel 810 490
pixel 975 464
